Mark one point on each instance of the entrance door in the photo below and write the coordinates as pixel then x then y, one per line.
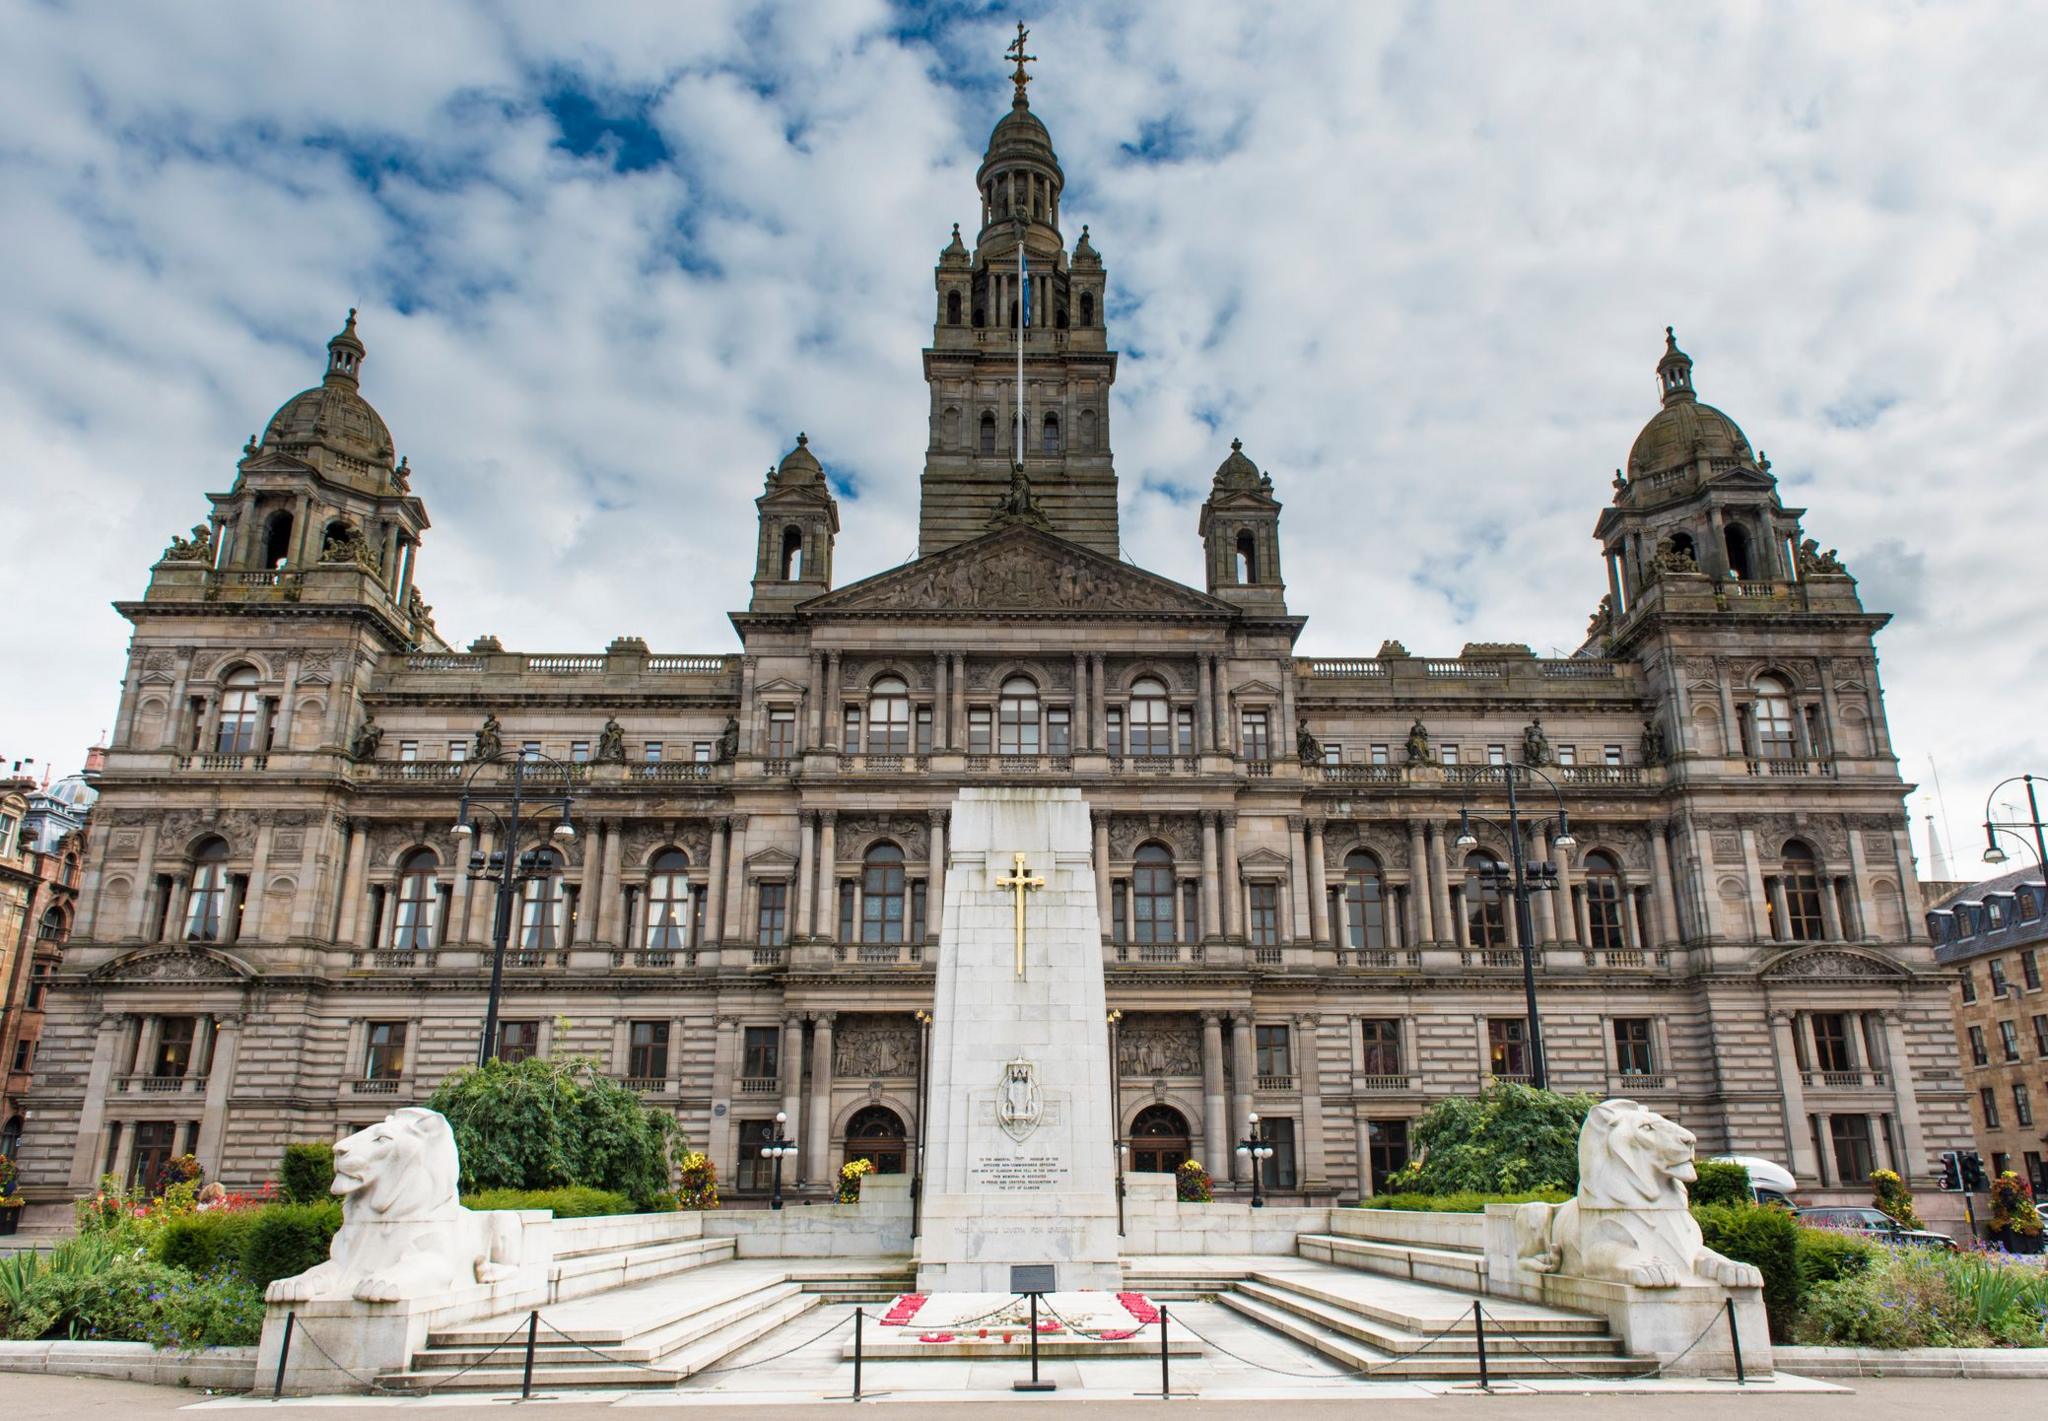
pixel 876 1133
pixel 1159 1140
pixel 153 1142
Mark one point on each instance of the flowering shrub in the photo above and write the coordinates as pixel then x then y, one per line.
pixel 1912 1297
pixel 1890 1194
pixel 8 1175
pixel 696 1181
pixel 2012 1208
pixel 850 1175
pixel 1191 1184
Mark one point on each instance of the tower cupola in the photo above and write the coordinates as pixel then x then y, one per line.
pixel 1674 371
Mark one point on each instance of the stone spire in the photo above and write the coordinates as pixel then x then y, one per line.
pixel 1674 371
pixel 345 354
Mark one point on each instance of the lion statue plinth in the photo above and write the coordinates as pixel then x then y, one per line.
pixel 1630 1222
pixel 404 1233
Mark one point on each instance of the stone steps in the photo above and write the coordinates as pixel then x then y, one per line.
pixel 1424 1263
pixel 1452 1338
pixel 598 1270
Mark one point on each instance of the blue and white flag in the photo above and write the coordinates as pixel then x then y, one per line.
pixel 1024 278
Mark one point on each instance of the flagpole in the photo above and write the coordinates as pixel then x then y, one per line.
pixel 1023 310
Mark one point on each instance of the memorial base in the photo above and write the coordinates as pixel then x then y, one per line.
pixel 970 1241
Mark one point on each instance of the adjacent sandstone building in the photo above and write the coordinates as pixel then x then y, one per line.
pixel 281 938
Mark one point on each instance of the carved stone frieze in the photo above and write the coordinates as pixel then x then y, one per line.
pixel 177 829
pixel 910 832
pixel 1830 964
pixel 173 966
pixel 1021 571
pixel 1181 833
pixel 1386 842
pixel 643 839
pixel 1159 1044
pixel 872 1047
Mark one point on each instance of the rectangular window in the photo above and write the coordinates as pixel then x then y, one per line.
pixel 1978 1055
pixel 1969 985
pixel 1380 756
pixel 530 749
pixel 1275 1050
pixel 1386 1150
pixel 154 1142
pixel 1113 722
pixel 846 910
pixel 1632 1045
pixel 1258 743
pixel 1333 754
pixel 2022 1107
pixel 1448 754
pixel 1987 1098
pixel 850 729
pixel 1119 903
pixel 1059 731
pixel 408 750
pixel 650 751
pixel 1191 911
pixel 700 752
pixel 920 904
pixel 458 751
pixel 1998 982
pixel 980 730
pixel 1831 1043
pixel 1853 1158
pixel 647 1051
pixel 762 1053
pixel 771 925
pixel 924 730
pixel 1611 754
pixel 2036 1176
pixel 1280 1169
pixel 1567 755
pixel 2009 1039
pixel 1382 1047
pixel 1507 1047
pixel 2030 970
pixel 1184 729
pixel 781 733
pixel 750 1170
pixel 518 1040
pixel 39 983
pixel 385 1058
pixel 579 752
pixel 174 1046
pixel 1265 923
pixel 2041 1035
pixel 1496 754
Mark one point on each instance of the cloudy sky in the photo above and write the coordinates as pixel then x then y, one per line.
pixel 611 258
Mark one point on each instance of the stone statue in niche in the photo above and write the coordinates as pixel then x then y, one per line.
pixel 1812 560
pixel 368 737
pixel 1671 556
pixel 1418 744
pixel 490 740
pixel 1307 746
pixel 1017 505
pixel 729 741
pixel 1602 620
pixel 611 743
pixel 1535 744
pixel 197 548
pixel 1655 752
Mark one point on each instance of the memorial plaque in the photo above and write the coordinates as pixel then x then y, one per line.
pixel 1032 1278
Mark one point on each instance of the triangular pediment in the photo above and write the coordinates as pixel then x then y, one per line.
pixel 188 963
pixel 1020 569
pixel 275 463
pixel 1834 963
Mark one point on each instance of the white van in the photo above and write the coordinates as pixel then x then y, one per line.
pixel 1769 1183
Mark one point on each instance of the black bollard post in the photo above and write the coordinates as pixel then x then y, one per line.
pixel 1165 1376
pixel 532 1334
pixel 1479 1331
pixel 1034 1384
pixel 857 1315
pixel 284 1350
pixel 1735 1337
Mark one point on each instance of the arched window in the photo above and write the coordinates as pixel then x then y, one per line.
pixel 1060 316
pixel 1364 901
pixel 949 426
pixel 792 554
pixel 875 1133
pixel 952 308
pixel 419 902
pixel 207 902
pixel 543 904
pixel 1772 720
pixel 1159 1140
pixel 1738 552
pixel 277 539
pixel 1087 308
pixel 882 896
pixel 1087 438
pixel 1486 920
pixel 668 901
pixel 1247 559
pixel 1152 895
pixel 1052 434
pixel 1017 717
pixel 889 717
pixel 988 432
pixel 1604 902
pixel 239 705
pixel 1151 718
pixel 1800 876
pixel 1682 543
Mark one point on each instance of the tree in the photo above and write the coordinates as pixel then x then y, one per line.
pixel 1509 1139
pixel 542 1124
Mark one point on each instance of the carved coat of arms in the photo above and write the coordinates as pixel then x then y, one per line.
pixel 1019 1104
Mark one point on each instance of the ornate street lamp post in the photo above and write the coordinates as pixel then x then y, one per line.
pixel 1254 1147
pixel 1116 1115
pixel 1994 827
pixel 924 1069
pixel 1522 880
pixel 779 1148
pixel 510 810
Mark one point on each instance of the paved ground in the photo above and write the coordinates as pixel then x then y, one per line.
pixel 39 1398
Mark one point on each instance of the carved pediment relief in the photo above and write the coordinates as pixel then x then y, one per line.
pixel 1022 570
pixel 1833 964
pixel 181 964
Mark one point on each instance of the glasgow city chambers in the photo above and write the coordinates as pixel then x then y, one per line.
pixel 1317 904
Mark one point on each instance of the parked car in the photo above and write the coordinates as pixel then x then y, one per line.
pixel 1769 1183
pixel 1875 1223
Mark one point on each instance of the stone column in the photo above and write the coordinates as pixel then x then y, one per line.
pixel 1241 1105
pixel 1781 912
pixel 91 1142
pixel 1731 728
pixel 806 872
pixel 1099 821
pixel 1830 713
pixel 833 720
pixel 1912 1144
pixel 1798 1136
pixel 1231 889
pixel 817 705
pixel 792 1069
pixel 1909 884
pixel 1421 927
pixel 935 888
pixel 1447 929
pixel 219 1082
pixel 250 923
pixel 1212 922
pixel 715 915
pixel 1307 1036
pixel 1318 889
pixel 725 1069
pixel 150 1031
pixel 825 924
pixel 1754 868
pixel 174 714
pixel 1205 705
pixel 1824 1127
pixel 1666 889
pixel 1830 909
pixel 1340 926
pixel 1098 691
pixel 1226 734
pixel 1862 898
pixel 1216 1142
pixel 352 880
pixel 479 898
pixel 820 1148
pixel 957 683
pixel 942 710
pixel 1077 730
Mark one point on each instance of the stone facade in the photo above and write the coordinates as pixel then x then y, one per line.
pixel 280 940
pixel 42 856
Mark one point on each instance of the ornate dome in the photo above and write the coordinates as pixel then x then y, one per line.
pixel 1237 471
pixel 1684 429
pixel 72 792
pixel 800 465
pixel 334 412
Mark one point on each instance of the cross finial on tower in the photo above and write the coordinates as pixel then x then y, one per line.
pixel 1018 76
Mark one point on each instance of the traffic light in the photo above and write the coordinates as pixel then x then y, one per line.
pixel 1974 1178
pixel 1951 1180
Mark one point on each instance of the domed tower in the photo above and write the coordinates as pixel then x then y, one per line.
pixel 1019 366
pixel 1240 530
pixel 799 519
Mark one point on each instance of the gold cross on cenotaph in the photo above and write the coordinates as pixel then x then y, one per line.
pixel 1020 882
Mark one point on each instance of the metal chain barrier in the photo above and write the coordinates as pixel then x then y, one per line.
pixel 380 1388
pixel 777 1356
pixel 1558 1366
pixel 1345 1373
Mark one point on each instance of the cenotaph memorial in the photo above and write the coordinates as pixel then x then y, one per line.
pixel 1020 1164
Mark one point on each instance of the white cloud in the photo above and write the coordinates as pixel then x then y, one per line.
pixel 1419 258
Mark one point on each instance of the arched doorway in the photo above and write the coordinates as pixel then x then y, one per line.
pixel 876 1133
pixel 1159 1140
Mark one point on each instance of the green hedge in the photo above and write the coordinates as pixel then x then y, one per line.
pixel 1465 1202
pixel 286 1239
pixel 306 1172
pixel 572 1202
pixel 201 1243
pixel 1720 1182
pixel 1829 1255
pixel 1767 1237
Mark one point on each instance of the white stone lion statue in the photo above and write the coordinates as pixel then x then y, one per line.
pixel 1629 1223
pixel 404 1233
